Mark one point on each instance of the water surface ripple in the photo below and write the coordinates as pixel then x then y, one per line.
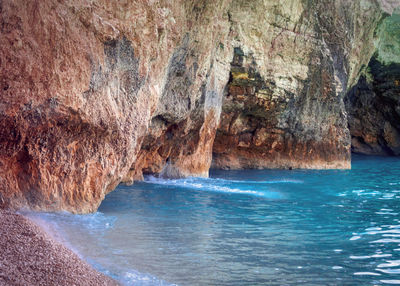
pixel 248 228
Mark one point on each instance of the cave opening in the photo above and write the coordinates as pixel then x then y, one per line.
pixel 373 104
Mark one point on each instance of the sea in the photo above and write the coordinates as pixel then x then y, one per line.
pixel 247 227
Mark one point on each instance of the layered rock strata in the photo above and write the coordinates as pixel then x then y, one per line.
pixel 97 93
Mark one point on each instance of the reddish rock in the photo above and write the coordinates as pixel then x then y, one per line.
pixel 80 83
pixel 97 93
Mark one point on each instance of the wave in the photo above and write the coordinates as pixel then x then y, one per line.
pixel 93 227
pixel 220 180
pixel 216 185
pixel 133 277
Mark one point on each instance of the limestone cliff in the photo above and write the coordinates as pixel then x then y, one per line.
pixel 373 105
pixel 284 102
pixel 95 93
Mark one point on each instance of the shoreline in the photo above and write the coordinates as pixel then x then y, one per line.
pixel 30 256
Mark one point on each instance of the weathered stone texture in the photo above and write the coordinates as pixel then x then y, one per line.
pixel 374 111
pixel 95 93
pixel 284 104
pixel 373 105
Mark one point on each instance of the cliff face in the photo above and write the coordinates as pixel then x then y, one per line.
pixel 82 82
pixel 284 103
pixel 96 93
pixel 374 103
pixel 182 128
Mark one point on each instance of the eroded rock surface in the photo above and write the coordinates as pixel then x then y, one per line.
pixel 81 83
pixel 374 111
pixel 97 93
pixel 284 107
pixel 373 105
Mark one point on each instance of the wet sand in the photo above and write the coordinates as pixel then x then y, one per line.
pixel 29 256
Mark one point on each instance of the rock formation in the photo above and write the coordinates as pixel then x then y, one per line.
pixel 283 106
pixel 81 83
pixel 95 93
pixel 374 103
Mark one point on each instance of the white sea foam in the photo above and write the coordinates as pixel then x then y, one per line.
pixel 139 279
pixel 337 267
pixel 281 181
pixel 216 185
pixel 390 263
pixel 367 274
pixel 393 282
pixel 389 271
pixel 360 257
pixel 386 240
pixel 381 255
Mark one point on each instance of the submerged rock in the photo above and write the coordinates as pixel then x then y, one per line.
pixel 95 94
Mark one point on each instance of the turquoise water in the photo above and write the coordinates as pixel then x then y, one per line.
pixel 251 227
